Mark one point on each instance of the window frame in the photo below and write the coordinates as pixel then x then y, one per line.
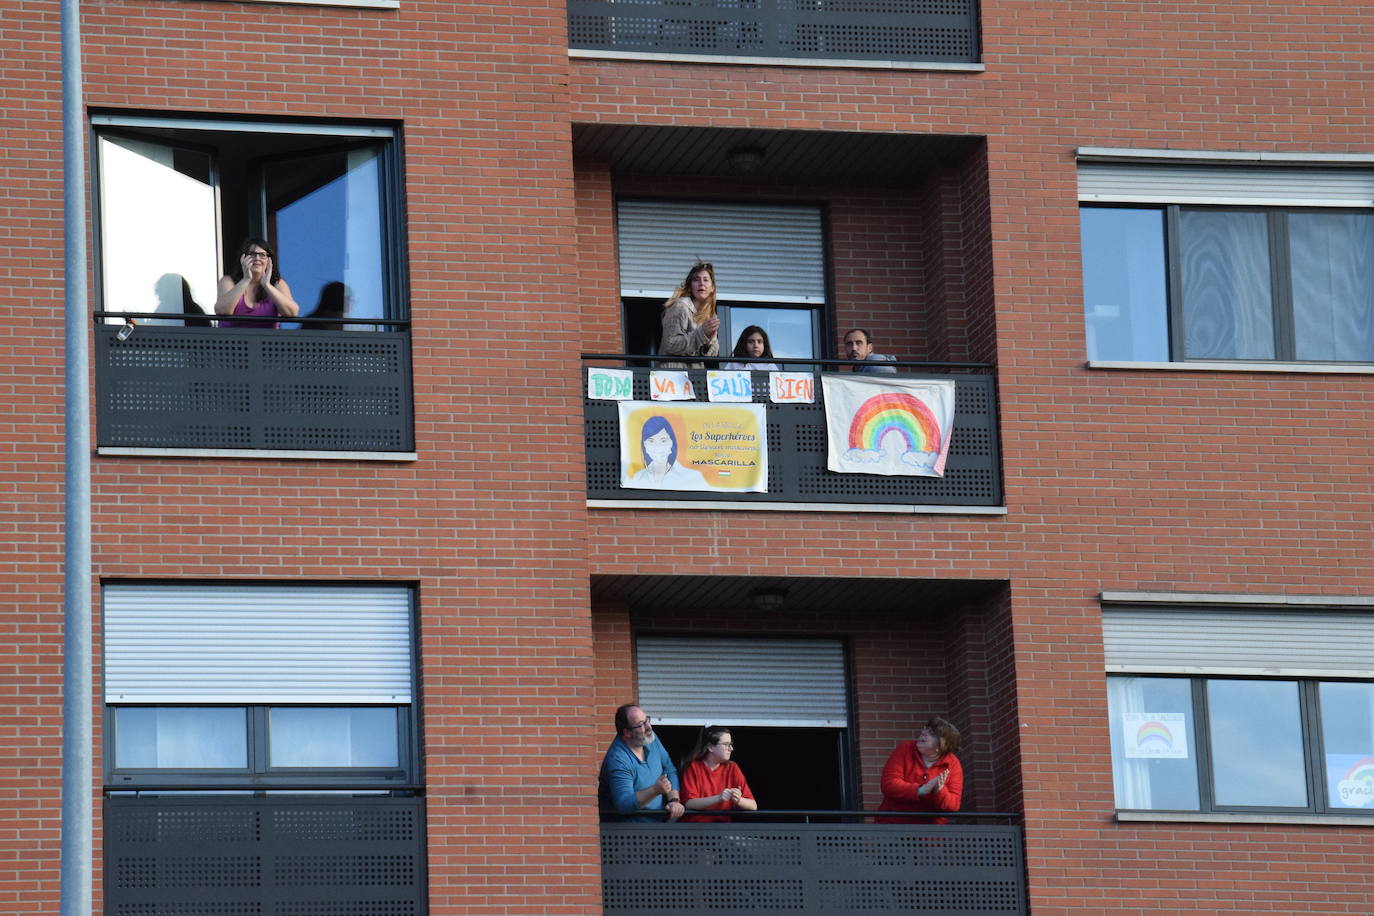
pixel 1312 747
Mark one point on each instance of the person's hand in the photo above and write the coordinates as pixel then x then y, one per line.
pixel 675 810
pixel 665 787
pixel 246 265
pixel 934 784
pixel 710 326
pixel 730 796
pixel 266 271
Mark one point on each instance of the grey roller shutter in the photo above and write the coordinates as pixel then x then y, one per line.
pixel 777 682
pixel 257 644
pixel 1117 182
pixel 760 252
pixel 1244 642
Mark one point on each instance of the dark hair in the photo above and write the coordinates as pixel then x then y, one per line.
pixel 868 338
pixel 622 717
pixel 945 733
pixel 333 301
pixel 250 242
pixel 708 738
pixel 652 427
pixel 743 335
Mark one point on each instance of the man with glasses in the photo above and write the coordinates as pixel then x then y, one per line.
pixel 636 774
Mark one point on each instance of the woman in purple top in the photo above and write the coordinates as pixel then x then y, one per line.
pixel 255 289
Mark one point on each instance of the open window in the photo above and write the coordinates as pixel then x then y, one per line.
pixel 176 197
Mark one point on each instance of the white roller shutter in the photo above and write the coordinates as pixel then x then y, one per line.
pixel 777 682
pixel 1190 183
pixel 257 644
pixel 759 252
pixel 1245 642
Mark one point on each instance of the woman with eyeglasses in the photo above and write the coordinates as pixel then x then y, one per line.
pixel 255 289
pixel 924 775
pixel 711 781
pixel 689 319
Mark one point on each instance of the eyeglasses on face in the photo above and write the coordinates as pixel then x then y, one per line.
pixel 634 727
pixel 258 256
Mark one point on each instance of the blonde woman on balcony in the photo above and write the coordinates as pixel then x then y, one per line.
pixel 711 781
pixel 924 775
pixel 689 319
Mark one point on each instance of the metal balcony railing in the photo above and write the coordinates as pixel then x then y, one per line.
pixel 247 388
pixel 797 445
pixel 750 867
pixel 912 31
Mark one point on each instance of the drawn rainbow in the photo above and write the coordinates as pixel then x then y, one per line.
pixel 1153 732
pixel 1362 771
pixel 889 412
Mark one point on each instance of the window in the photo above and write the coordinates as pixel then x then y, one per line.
pixel 1233 709
pixel 1214 263
pixel 176 197
pixel 768 259
pixel 259 685
pixel 1237 744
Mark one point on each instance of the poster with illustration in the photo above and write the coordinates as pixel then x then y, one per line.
pixel 1159 735
pixel 697 446
pixel 892 427
pixel 1350 780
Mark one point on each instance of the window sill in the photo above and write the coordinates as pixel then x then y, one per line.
pixel 1218 366
pixel 657 57
pixel 1185 817
pixel 847 508
pixel 254 453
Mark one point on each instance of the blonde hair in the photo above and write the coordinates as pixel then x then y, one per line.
pixel 705 309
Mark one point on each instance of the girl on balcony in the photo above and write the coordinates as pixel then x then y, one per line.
pixel 924 775
pixel 255 290
pixel 753 344
pixel 689 319
pixel 711 781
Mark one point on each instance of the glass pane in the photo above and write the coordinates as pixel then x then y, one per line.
pixel 325 213
pixel 1154 757
pixel 1125 297
pixel 181 737
pixel 1332 257
pixel 791 332
pixel 1348 742
pixel 159 237
pixel 1257 743
pixel 363 736
pixel 1227 306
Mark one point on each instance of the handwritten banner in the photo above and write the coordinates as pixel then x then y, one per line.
pixel 893 427
pixel 729 385
pixel 671 385
pixel 1155 734
pixel 792 387
pixel 694 447
pixel 610 384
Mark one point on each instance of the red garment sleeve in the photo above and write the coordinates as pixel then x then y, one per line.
pixel 895 784
pixel 743 783
pixel 951 793
pixel 693 785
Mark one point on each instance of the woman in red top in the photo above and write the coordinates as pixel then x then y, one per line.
pixel 924 775
pixel 710 779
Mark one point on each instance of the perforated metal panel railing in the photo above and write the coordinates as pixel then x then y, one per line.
pixel 889 30
pixel 947 869
pixel 220 388
pixel 231 856
pixel 797 453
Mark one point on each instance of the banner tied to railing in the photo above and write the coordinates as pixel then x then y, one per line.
pixel 893 427
pixel 693 446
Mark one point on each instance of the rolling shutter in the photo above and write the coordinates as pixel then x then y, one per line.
pixel 257 644
pixel 1243 642
pixel 777 682
pixel 759 252
pixel 1240 185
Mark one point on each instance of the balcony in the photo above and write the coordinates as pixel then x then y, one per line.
pixel 755 868
pixel 904 32
pixel 198 388
pixel 797 447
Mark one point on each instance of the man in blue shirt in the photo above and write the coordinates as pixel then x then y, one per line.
pixel 858 344
pixel 636 774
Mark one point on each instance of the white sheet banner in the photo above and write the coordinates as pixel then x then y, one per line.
pixel 893 427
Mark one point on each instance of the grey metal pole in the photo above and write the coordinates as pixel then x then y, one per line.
pixel 77 757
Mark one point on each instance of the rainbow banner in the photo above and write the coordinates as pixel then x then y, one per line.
pixel 888 426
pixel 1155 735
pixel 696 446
pixel 1350 778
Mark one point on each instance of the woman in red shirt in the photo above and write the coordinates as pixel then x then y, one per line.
pixel 924 775
pixel 710 779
